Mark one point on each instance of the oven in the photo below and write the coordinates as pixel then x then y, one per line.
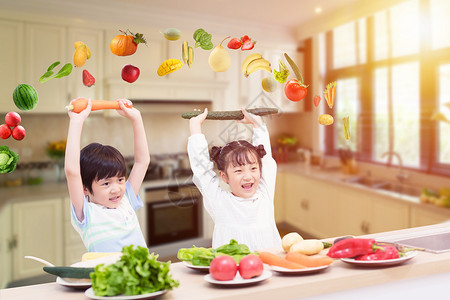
pixel 174 213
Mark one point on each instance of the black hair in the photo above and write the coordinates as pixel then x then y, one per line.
pixel 237 153
pixel 99 161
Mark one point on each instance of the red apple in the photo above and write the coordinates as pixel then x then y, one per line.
pixel 130 73
pixel 223 268
pixel 250 266
pixel 5 131
pixel 12 119
pixel 18 133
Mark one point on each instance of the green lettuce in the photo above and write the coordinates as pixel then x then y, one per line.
pixel 8 160
pixel 137 272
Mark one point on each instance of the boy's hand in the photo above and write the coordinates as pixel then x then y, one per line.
pixel 130 113
pixel 82 115
pixel 195 123
pixel 250 118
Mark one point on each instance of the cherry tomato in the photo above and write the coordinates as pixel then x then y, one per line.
pixel 294 90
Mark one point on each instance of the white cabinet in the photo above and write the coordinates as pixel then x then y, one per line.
pixel 427 216
pixel 37 231
pixel 5 245
pixel 11 60
pixel 280 198
pixel 73 245
pixel 44 45
pixel 93 38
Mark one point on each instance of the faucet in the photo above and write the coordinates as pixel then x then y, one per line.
pixel 401 176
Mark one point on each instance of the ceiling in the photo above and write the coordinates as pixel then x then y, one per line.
pixel 284 13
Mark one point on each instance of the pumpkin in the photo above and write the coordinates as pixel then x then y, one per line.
pixel 25 97
pixel 126 44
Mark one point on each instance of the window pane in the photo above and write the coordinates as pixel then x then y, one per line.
pixel 406 104
pixel 444 107
pixel 381 36
pixel 344 46
pixel 347 105
pixel 440 23
pixel 381 118
pixel 362 45
pixel 404 21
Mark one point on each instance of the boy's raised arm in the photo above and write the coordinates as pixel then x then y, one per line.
pixel 72 160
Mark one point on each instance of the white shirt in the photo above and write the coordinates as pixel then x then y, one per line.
pixel 249 221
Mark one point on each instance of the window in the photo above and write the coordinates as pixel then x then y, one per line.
pixel 386 84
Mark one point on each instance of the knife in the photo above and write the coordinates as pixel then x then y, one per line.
pixel 69 272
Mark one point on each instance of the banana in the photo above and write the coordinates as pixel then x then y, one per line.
pixel 258 64
pixel 249 59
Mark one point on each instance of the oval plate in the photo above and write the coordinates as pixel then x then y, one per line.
pixel 380 263
pixel 90 293
pixel 286 271
pixel 74 283
pixel 238 280
pixel 197 268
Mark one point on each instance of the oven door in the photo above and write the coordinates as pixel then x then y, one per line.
pixel 173 219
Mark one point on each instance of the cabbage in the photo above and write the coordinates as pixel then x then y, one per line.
pixel 8 160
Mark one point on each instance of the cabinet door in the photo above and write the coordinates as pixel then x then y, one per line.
pixel 93 38
pixel 11 60
pixel 388 215
pixel 425 216
pixel 5 245
pixel 46 44
pixel 279 199
pixel 37 229
pixel 297 202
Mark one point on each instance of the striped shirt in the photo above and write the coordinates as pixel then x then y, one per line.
pixel 110 229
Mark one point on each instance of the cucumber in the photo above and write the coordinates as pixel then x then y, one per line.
pixel 70 272
pixel 230 114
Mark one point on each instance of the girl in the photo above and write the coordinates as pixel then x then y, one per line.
pixel 246 213
pixel 103 201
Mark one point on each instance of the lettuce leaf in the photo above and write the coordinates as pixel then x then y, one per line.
pixel 8 160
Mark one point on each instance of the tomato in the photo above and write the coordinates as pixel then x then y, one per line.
pixel 250 266
pixel 294 90
pixel 223 268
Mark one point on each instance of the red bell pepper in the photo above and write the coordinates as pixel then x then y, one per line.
pixel 389 252
pixel 353 247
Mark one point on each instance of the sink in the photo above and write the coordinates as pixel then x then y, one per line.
pixel 384 185
pixel 435 243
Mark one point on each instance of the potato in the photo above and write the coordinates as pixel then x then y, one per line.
pixel 290 239
pixel 326 119
pixel 307 247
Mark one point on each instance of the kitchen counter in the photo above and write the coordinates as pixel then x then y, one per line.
pixel 339 277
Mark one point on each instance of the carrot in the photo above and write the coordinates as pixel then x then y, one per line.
pixel 275 260
pixel 80 104
pixel 308 261
pixel 333 93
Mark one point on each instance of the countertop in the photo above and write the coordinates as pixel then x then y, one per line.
pixel 339 279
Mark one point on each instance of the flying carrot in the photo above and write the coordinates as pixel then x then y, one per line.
pixel 79 105
pixel 275 260
pixel 330 93
pixel 308 261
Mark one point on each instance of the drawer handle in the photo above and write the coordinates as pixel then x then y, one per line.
pixel 304 204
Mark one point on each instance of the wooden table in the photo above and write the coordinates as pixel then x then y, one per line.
pixel 338 277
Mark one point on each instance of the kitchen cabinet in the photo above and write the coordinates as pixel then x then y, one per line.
pixel 426 215
pixel 280 198
pixel 37 231
pixel 45 44
pixel 73 244
pixel 5 245
pixel 11 60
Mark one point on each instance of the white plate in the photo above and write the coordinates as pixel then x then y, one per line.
pixel 90 293
pixel 198 268
pixel 381 263
pixel 238 280
pixel 287 271
pixel 74 283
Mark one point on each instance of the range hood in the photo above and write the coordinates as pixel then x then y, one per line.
pixel 168 95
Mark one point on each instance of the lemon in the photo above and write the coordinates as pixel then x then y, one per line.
pixel 269 84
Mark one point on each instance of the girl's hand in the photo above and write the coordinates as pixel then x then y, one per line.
pixel 130 113
pixel 195 123
pixel 82 115
pixel 250 118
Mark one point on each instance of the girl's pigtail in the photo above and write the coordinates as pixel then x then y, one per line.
pixel 215 152
pixel 260 150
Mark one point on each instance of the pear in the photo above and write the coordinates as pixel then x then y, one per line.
pixel 219 59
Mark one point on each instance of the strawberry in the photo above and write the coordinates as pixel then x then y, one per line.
pixel 248 45
pixel 245 38
pixel 234 43
pixel 88 79
pixel 316 100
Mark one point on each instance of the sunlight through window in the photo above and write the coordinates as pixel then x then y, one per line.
pixel 440 23
pixel 444 107
pixel 347 105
